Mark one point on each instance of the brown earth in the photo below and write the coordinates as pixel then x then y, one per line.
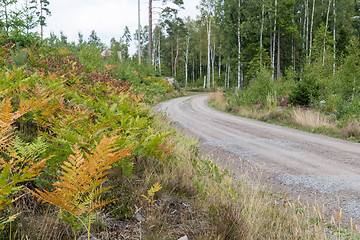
pixel 319 169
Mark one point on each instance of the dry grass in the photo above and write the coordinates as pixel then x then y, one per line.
pixel 311 119
pixel 257 113
pixel 217 98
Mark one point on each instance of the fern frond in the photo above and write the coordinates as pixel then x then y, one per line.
pixel 82 176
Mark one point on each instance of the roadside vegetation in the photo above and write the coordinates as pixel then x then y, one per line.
pixel 293 104
pixel 83 156
pixel 84 144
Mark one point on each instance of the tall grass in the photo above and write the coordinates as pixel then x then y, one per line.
pixel 311 119
pixel 217 98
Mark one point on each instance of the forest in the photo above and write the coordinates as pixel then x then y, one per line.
pixel 83 156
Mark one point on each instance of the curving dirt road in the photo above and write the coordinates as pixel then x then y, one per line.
pixel 319 168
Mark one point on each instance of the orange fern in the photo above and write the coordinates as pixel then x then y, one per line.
pixel 82 176
pixel 14 169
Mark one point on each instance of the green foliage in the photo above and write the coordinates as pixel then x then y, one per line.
pixel 14 168
pixel 151 193
pixel 260 88
pixel 305 91
pixel 30 150
pixel 349 73
pixel 90 57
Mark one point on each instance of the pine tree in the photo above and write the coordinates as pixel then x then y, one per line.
pixel 42 12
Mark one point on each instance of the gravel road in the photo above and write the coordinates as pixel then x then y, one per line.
pixel 317 168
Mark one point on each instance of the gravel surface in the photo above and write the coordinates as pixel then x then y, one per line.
pixel 320 169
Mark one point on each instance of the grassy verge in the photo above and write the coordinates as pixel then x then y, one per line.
pixel 300 118
pixel 231 208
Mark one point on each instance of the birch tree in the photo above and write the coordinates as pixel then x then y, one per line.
pixel 240 83
pixel 187 59
pixel 274 42
pixel 311 28
pixel 326 30
pixel 207 9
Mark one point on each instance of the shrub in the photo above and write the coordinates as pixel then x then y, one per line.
pixel 304 92
pixel 90 56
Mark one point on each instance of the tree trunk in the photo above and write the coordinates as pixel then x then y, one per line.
pixel 176 56
pixel 228 75
pixel 293 47
pixel 274 43
pixel 150 30
pixel 311 29
pixel 186 60
pixel 271 44
pixel 159 52
pixel 220 64
pixel 278 56
pixel 172 57
pixel 208 62
pixel 226 72
pixel 326 29
pixel 307 26
pixel 139 50
pixel 261 32
pixel 200 64
pixel 213 65
pixel 193 71
pixel 41 24
pixel 239 47
pixel 334 38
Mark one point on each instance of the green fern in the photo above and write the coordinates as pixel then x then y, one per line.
pixel 30 150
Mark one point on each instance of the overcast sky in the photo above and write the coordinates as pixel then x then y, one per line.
pixel 107 17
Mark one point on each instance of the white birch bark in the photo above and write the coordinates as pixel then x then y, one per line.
pixel 213 65
pixel 334 37
pixel 239 47
pixel 186 60
pixel 193 70
pixel 139 51
pixel 293 42
pixel 159 52
pixel 326 29
pixel 261 32
pixel 176 56
pixel 278 56
pixel 307 26
pixel 220 64
pixel 311 29
pixel 274 43
pixel 208 56
pixel 200 63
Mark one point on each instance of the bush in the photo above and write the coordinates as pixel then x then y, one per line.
pixel 304 92
pixel 90 56
pixel 261 87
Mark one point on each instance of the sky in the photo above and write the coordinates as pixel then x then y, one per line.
pixel 107 17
